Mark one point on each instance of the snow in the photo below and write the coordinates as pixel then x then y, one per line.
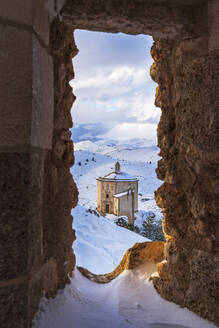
pixel 141 216
pixel 100 244
pixel 142 149
pixel 130 300
pixel 121 194
pixel 121 176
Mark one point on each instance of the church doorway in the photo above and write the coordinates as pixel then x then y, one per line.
pixel 107 208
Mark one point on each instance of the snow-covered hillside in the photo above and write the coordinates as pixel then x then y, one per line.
pixel 100 243
pixel 140 150
pixel 130 300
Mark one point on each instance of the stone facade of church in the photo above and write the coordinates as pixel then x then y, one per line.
pixel 118 194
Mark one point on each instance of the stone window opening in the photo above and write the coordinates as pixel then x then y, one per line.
pixel 109 188
pixel 179 49
pixel 37 151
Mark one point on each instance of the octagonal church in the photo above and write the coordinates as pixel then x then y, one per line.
pixel 118 194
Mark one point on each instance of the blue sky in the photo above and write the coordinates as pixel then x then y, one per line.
pixel 115 94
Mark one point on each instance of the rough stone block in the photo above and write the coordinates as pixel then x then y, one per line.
pixel 17 11
pixel 214 25
pixel 43 14
pixel 38 14
pixel 204 277
pixel 60 4
pixel 41 23
pixel 20 66
pixel 42 112
pixel 14 183
pixel 15 85
pixel 44 281
pixel 14 306
pixel 35 227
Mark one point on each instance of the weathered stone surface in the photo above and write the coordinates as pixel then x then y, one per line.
pixel 36 185
pixel 35 227
pixel 14 179
pixel 188 95
pixel 13 10
pixel 37 14
pixel 14 306
pixel 213 9
pixel 140 253
pixel 159 18
pixel 15 86
pixel 37 190
pixel 29 91
pixel 43 280
pixel 43 98
pixel 44 11
pixel 62 195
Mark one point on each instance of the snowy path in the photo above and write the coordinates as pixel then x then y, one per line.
pixel 129 301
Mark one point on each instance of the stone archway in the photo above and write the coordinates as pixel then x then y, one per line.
pixel 37 151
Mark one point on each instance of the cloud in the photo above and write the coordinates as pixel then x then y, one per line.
pixel 107 50
pixel 114 131
pixel 113 86
pixel 126 131
pixel 127 76
pixel 132 108
pixel 89 131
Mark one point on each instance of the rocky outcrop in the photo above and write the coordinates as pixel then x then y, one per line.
pixel 188 88
pixel 140 253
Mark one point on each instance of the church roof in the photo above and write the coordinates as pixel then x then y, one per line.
pixel 121 194
pixel 117 175
pixel 120 176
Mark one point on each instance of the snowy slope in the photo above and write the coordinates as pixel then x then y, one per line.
pixel 86 174
pixel 142 150
pixel 100 243
pixel 130 300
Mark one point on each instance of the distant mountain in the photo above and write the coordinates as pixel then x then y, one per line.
pixel 92 131
pixel 82 132
pixel 139 150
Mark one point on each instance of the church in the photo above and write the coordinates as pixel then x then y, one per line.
pixel 118 194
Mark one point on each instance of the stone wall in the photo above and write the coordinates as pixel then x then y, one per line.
pixel 188 94
pixel 105 188
pixel 186 69
pixel 125 206
pixel 123 186
pixel 37 190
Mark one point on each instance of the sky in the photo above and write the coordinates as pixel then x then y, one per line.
pixel 114 90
